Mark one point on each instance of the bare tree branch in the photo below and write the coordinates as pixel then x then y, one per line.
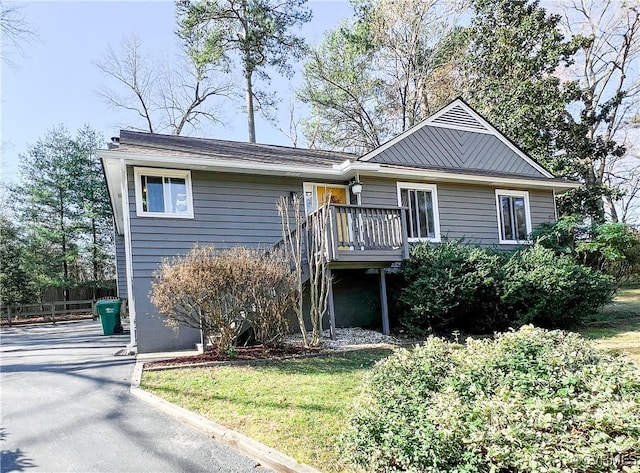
pixel 607 68
pixel 15 31
pixel 168 95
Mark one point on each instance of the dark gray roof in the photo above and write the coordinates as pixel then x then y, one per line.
pixel 236 150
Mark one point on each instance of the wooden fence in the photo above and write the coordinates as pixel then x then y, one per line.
pixel 47 310
pixel 84 292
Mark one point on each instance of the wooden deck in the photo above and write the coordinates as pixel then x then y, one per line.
pixel 362 236
pixel 357 237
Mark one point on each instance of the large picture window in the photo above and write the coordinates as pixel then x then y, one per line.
pixel 422 210
pixel 163 193
pixel 514 218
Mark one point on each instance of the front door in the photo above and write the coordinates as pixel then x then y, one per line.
pixel 315 195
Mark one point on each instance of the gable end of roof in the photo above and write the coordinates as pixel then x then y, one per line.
pixel 458 115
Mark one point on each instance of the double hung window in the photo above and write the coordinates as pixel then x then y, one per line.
pixel 514 218
pixel 422 210
pixel 163 193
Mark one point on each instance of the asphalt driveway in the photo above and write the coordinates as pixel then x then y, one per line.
pixel 65 407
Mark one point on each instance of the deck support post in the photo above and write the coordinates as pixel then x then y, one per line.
pixel 383 303
pixel 330 306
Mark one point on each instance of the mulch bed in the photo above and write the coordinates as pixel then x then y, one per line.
pixel 248 353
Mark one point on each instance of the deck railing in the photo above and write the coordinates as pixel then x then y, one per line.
pixel 374 229
pixel 355 233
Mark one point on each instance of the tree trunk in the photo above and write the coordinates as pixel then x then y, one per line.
pixel 250 112
pixel 65 264
pixel 612 210
pixel 94 255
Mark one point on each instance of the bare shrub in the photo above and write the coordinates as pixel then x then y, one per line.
pixel 224 293
pixel 274 294
pixel 307 237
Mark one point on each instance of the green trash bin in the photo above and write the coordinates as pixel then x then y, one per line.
pixel 109 312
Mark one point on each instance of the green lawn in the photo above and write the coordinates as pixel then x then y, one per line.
pixel 299 406
pixel 296 406
pixel 618 326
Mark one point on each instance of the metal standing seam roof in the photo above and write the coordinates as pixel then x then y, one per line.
pixel 172 145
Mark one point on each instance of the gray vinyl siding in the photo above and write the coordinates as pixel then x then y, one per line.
pixel 444 148
pixel 229 210
pixel 466 211
pixel 121 266
pixel 152 333
pixel 236 209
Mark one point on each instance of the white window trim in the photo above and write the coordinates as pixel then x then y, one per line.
pixel 527 213
pixel 181 174
pixel 436 214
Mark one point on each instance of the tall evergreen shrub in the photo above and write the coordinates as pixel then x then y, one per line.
pixel 452 285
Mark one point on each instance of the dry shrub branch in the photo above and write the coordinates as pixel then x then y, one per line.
pixel 305 245
pixel 225 293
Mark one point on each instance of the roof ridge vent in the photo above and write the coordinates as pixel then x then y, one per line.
pixel 458 117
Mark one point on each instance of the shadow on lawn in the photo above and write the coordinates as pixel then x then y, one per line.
pixel 13 460
pixel 326 365
pixel 619 317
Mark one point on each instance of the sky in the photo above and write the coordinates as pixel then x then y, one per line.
pixel 56 81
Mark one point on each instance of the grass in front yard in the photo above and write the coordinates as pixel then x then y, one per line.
pixel 625 305
pixel 297 406
pixel 618 326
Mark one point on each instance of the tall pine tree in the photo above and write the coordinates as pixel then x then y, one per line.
pixel 254 34
pixel 63 210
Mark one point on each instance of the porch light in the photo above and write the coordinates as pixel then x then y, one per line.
pixel 356 187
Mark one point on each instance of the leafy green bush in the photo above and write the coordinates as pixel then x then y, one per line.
pixel 552 291
pixel 452 285
pixel 456 286
pixel 612 248
pixel 526 401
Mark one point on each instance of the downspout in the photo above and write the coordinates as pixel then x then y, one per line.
pixel 555 205
pixel 124 188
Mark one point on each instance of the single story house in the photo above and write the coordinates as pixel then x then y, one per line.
pixel 453 175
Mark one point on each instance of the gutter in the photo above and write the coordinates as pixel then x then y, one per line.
pixel 344 170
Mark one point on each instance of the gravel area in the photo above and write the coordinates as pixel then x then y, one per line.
pixel 349 338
